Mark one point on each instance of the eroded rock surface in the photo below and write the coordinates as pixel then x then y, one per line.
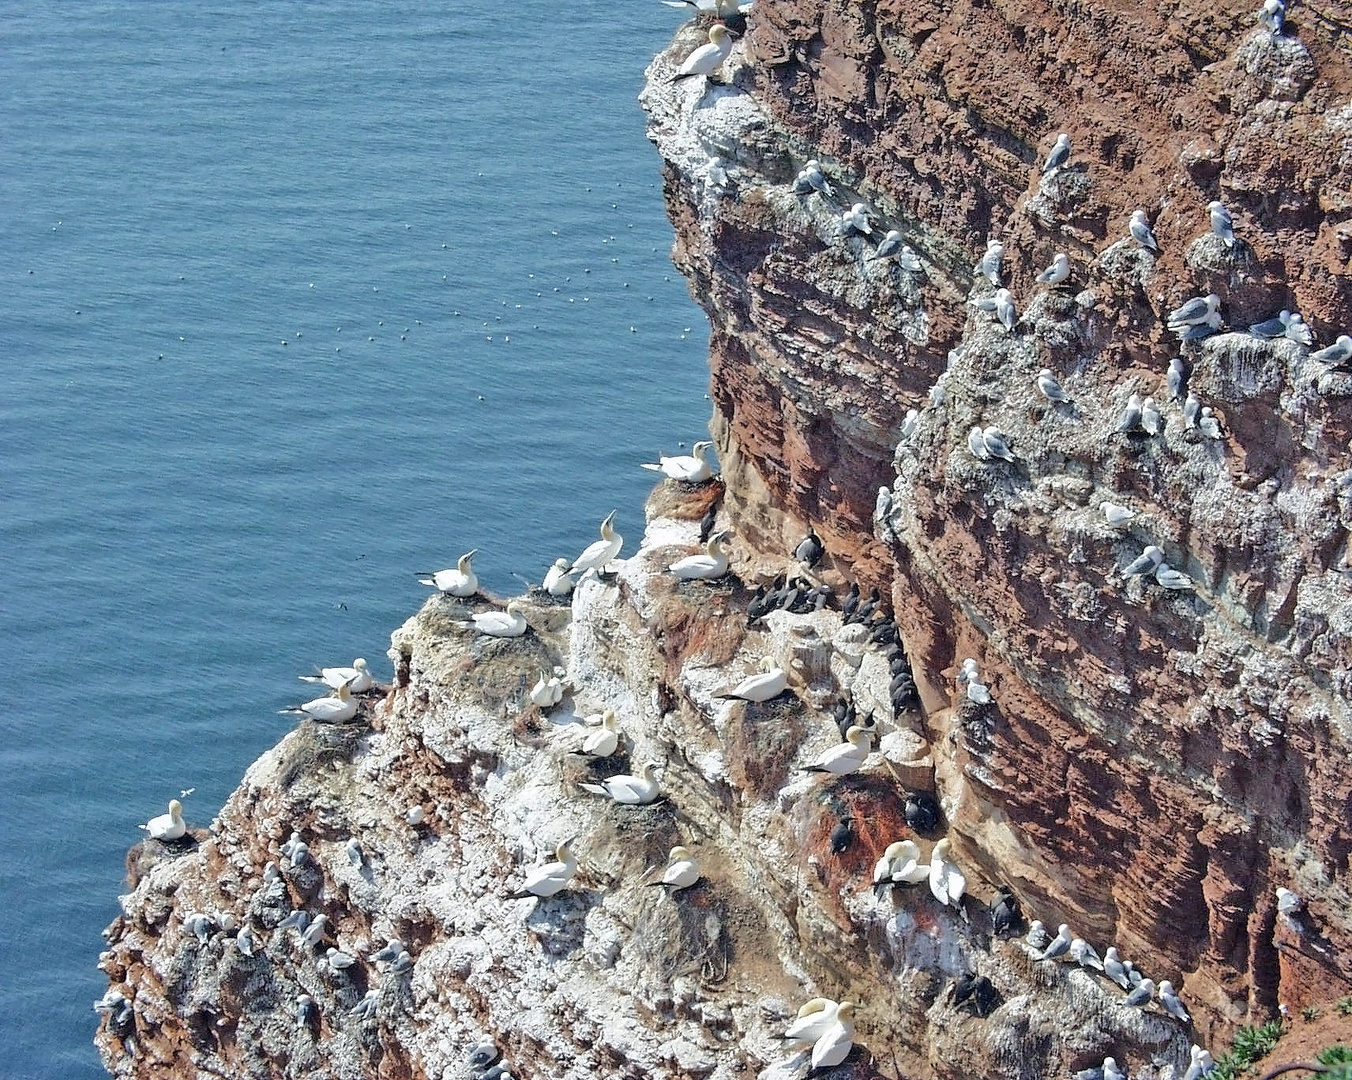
pixel 1153 763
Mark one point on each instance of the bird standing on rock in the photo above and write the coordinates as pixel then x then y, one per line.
pixel 707 59
pixel 1060 153
pixel 598 555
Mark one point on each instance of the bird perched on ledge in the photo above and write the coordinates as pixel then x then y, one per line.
pixel 692 468
pixel 338 708
pixel 170 826
pixel 458 581
pixel 509 623
pixel 550 878
pixel 707 59
pixel 712 564
pixel 630 790
pixel 596 556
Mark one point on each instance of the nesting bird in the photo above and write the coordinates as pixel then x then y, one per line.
pixel 551 877
pixel 1057 272
pixel 708 58
pixel 1049 388
pixel 337 708
pixel 458 581
pixel 1221 223
pixel 769 683
pixel 356 678
pixel 605 740
pixel 855 220
pixel 989 266
pixel 558 580
pixel 845 757
pixel 682 870
pixel 692 468
pixel 629 790
pixel 946 881
pixel 711 564
pixel 170 826
pixel 508 623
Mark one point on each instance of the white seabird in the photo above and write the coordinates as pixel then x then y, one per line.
pixel 771 682
pixel 1221 223
pixel 1273 15
pixel 338 708
pixel 1192 409
pixel 1140 996
pixel 1146 562
pixel 692 468
pixel 508 623
pixel 1050 388
pixel 1201 1064
pixel 900 864
pixel 1116 514
pixel 1085 954
pixel 313 934
pixel 989 266
pixel 1298 331
pixel 1193 312
pixel 558 581
pixel 712 564
pixel 1059 945
pixel 997 445
pixel 1173 1005
pixel 978 692
pixel 170 826
pixel 845 757
pixel 458 581
pixel 1112 967
pixel 834 1045
pixel 976 444
pixel 356 678
pixel 708 58
pixel 1170 578
pixel 596 556
pixel 338 960
pixel 1151 420
pixel 1131 414
pixel 1140 231
pixel 1004 309
pixel 1037 934
pixel 1274 327
pixel 550 878
pixel 814 178
pixel 605 740
pixel 946 881
pixel 1207 423
pixel 631 790
pixel 547 691
pixel 814 1020
pixel 1173 379
pixel 1335 355
pixel 1060 152
pixel 1057 272
pixel 855 219
pixel 682 870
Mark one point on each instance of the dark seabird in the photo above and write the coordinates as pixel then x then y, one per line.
pixel 809 550
pixel 851 602
pixel 1006 915
pixel 842 836
pixel 922 812
pixel 706 524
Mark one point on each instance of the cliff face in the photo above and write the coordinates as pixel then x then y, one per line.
pixel 1153 763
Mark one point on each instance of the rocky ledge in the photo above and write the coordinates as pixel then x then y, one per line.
pixel 1145 757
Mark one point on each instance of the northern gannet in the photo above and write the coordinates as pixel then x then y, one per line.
pixel 692 468
pixel 170 826
pixel 509 623
pixel 772 682
pixel 459 581
pixel 900 864
pixel 813 1021
pixel 713 563
pixel 631 790
pixel 845 757
pixel 605 740
pixel 708 58
pixel 596 556
pixel 947 882
pixel 558 581
pixel 356 678
pixel 550 878
pixel 548 691
pixel 835 1044
pixel 682 870
pixel 337 708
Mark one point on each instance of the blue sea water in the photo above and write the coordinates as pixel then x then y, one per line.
pixel 299 298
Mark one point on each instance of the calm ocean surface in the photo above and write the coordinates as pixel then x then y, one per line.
pixel 298 299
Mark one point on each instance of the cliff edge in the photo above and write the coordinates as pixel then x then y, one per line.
pixel 1146 758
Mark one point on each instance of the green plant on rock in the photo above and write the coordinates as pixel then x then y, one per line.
pixel 1344 1006
pixel 1251 1044
pixel 1309 1013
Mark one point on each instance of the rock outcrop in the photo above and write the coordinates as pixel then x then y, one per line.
pixel 1153 762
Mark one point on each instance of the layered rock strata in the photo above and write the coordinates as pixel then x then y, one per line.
pixel 1153 762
